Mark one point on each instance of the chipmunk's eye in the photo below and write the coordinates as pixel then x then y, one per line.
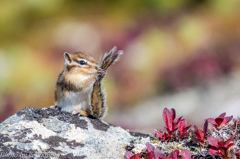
pixel 82 62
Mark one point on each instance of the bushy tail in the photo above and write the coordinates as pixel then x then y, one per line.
pixel 110 58
pixel 98 106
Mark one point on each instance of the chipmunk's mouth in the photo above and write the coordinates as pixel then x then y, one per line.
pixel 92 73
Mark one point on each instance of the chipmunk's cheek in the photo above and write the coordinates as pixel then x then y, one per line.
pixel 93 71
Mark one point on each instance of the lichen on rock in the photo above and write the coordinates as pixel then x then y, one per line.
pixel 48 133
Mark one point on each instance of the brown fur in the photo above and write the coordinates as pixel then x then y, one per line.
pixel 83 56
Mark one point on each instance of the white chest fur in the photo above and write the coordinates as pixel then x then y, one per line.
pixel 75 100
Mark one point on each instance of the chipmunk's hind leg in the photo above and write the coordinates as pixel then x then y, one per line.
pixel 81 112
pixel 55 107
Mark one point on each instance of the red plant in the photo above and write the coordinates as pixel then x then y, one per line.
pixel 220 121
pixel 237 154
pixel 200 134
pixel 150 147
pixel 169 119
pixel 152 152
pixel 130 155
pixel 162 137
pixel 186 154
pixel 219 147
pixel 183 129
pixel 149 155
pixel 158 154
pixel 173 155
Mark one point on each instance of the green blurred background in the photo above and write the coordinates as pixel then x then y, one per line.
pixel 183 54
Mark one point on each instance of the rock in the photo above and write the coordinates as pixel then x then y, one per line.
pixel 47 133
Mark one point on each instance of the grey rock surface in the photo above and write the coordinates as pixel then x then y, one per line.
pixel 47 133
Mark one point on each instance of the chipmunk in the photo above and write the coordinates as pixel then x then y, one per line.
pixel 78 89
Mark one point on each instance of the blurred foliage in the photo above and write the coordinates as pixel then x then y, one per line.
pixel 169 45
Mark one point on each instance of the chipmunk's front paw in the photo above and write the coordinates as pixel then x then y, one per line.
pixel 80 112
pixel 101 73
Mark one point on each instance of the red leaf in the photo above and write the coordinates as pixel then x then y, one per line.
pixel 227 119
pixel 212 147
pixel 175 154
pixel 150 147
pixel 219 147
pixel 186 129
pixel 135 157
pixel 213 141
pixel 238 154
pixel 230 145
pixel 222 115
pixel 178 120
pixel 128 155
pixel 186 154
pixel 199 133
pixel 222 151
pixel 159 135
pixel 230 140
pixel 149 155
pixel 197 139
pixel 205 127
pixel 173 114
pixel 212 121
pixel 175 124
pixel 170 133
pixel 167 117
pixel 164 136
pixel 183 135
pixel 212 152
pixel 220 143
pixel 219 154
pixel 158 154
pixel 182 125
pixel 219 121
pixel 196 131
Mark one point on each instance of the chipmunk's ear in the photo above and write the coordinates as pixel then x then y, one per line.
pixel 67 57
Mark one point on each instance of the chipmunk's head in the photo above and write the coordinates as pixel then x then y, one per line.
pixel 80 63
